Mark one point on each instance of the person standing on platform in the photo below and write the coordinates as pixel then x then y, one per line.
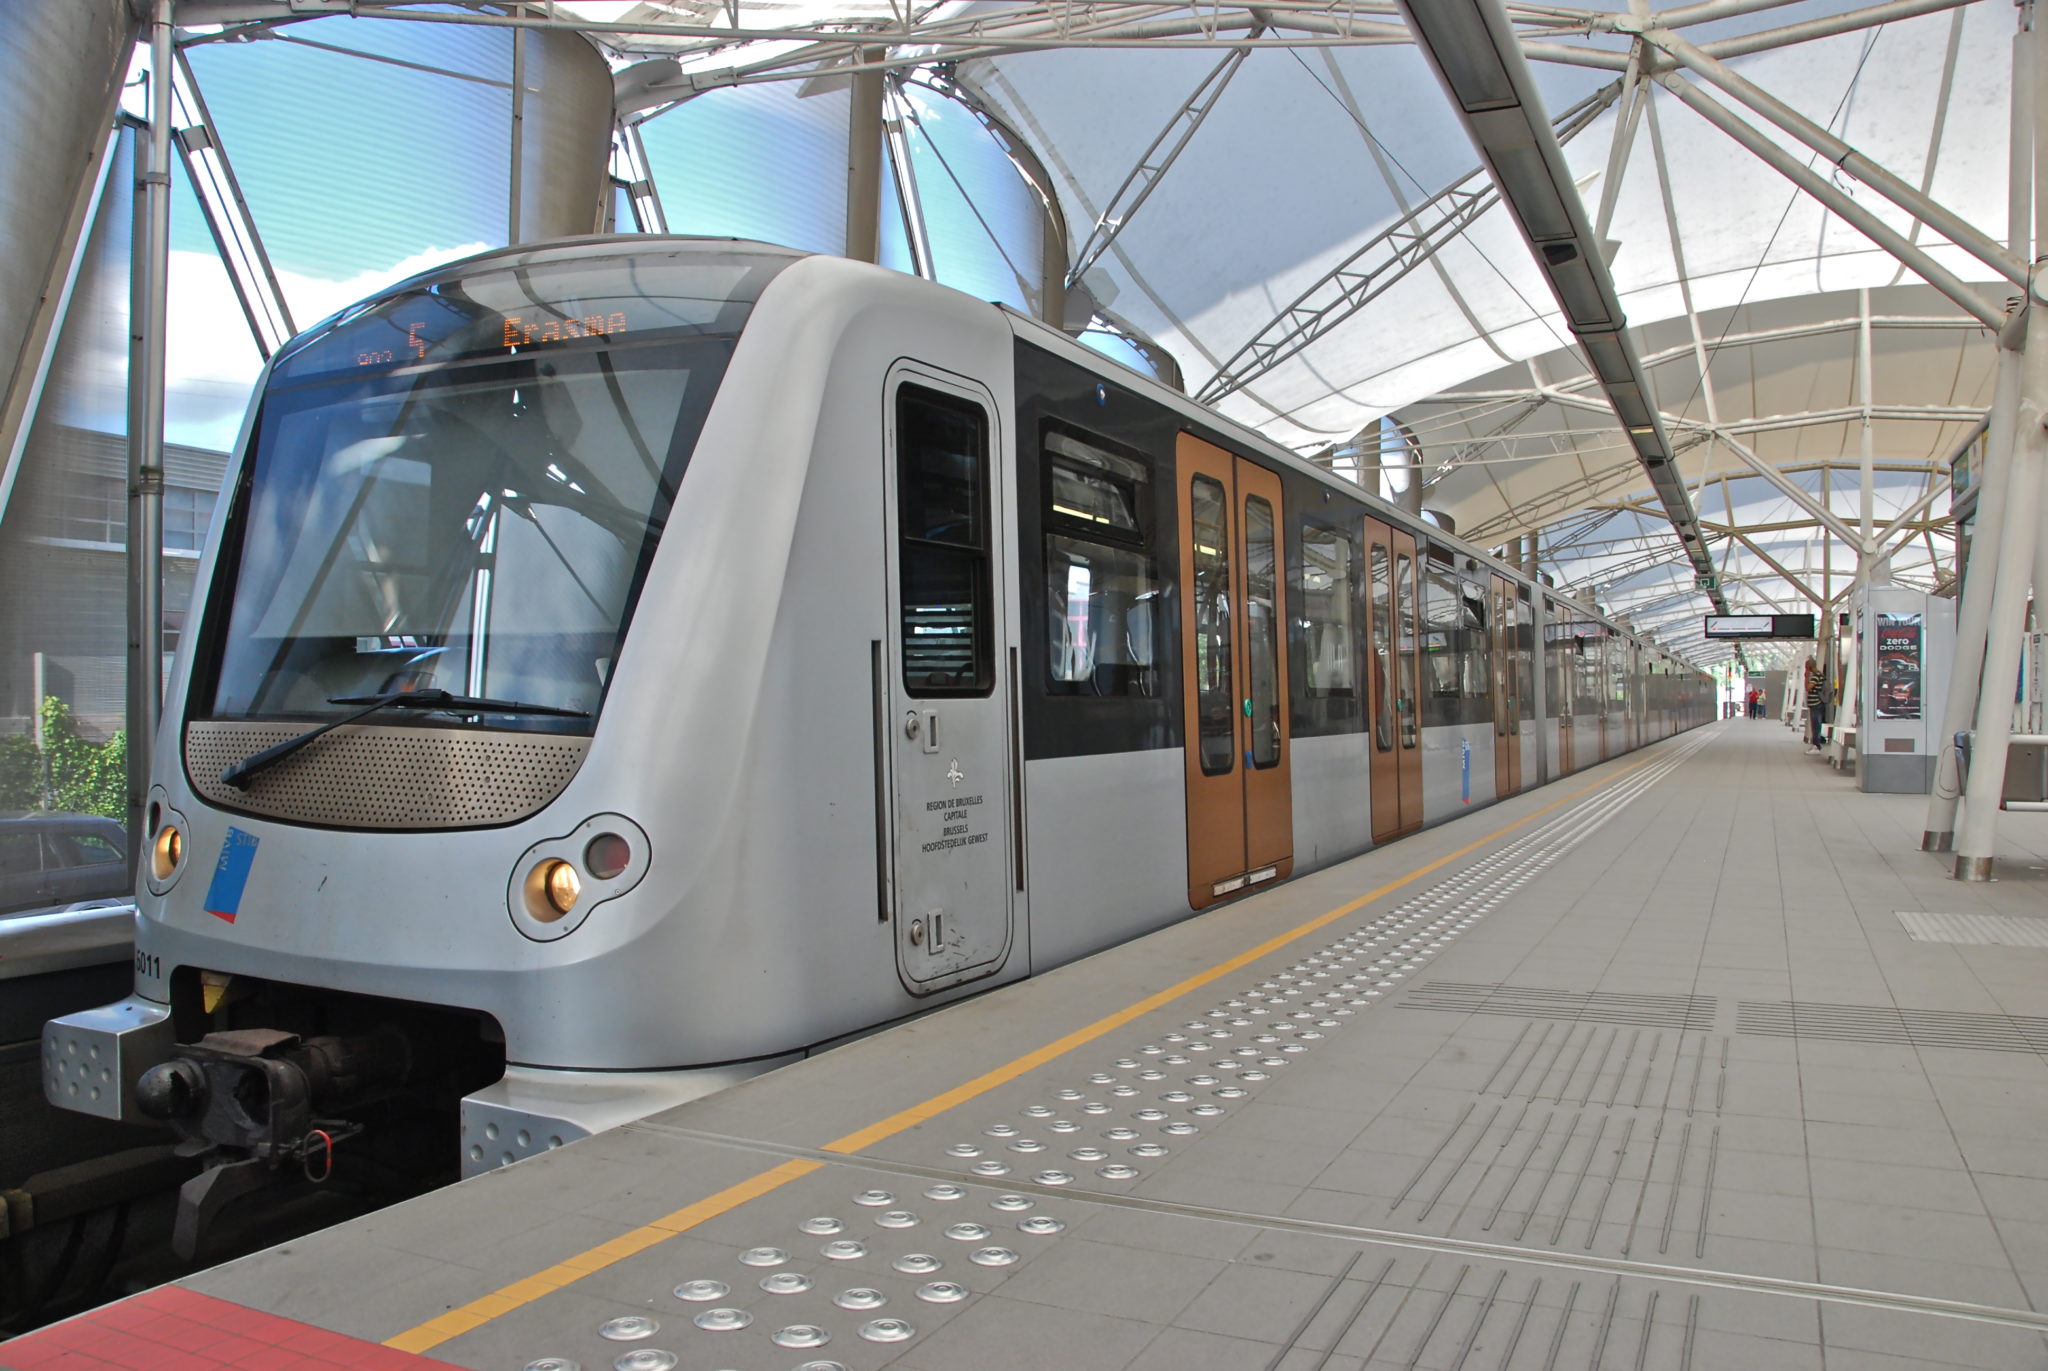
pixel 1816 704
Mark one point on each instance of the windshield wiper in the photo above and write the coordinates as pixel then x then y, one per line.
pixel 434 701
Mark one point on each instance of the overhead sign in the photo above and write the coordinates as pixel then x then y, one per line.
pixel 1760 626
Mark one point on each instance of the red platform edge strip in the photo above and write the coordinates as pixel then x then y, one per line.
pixel 174 1329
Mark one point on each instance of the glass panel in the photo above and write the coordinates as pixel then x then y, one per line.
pixel 1383 684
pixel 1099 603
pixel 1475 653
pixel 353 190
pixel 1442 644
pixel 476 528
pixel 942 534
pixel 1328 563
pixel 1094 498
pixel 1215 695
pixel 986 224
pixel 764 162
pixel 1262 631
pixel 1408 683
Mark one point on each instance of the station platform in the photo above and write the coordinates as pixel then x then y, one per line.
pixel 1690 1060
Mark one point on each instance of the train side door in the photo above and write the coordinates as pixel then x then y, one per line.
pixel 1502 625
pixel 1234 673
pixel 1395 693
pixel 943 690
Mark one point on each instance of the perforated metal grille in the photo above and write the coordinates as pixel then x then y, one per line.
pixel 368 777
pixel 1588 1006
pixel 1884 1024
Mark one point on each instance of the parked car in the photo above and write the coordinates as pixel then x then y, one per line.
pixel 57 859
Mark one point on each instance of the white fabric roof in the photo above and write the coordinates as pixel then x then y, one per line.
pixel 1309 153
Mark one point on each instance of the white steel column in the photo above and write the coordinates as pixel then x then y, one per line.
pixel 1973 613
pixel 148 310
pixel 1977 835
pixel 864 122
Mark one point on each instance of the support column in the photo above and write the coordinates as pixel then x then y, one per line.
pixel 864 163
pixel 1976 840
pixel 148 311
pixel 562 121
pixel 1974 611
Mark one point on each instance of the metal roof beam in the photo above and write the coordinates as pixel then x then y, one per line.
pixel 1473 48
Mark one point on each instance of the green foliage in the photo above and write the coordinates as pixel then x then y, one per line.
pixel 21 773
pixel 72 774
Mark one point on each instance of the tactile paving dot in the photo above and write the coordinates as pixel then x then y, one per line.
pixel 553 1364
pixel 861 1297
pixel 723 1320
pixel 917 1263
pixel 991 1168
pixel 1117 1171
pixel 933 1292
pixel 822 1227
pixel 763 1256
pixel 1011 1204
pixel 967 1232
pixel 843 1250
pixel 992 1256
pixel 630 1328
pixel 887 1330
pixel 646 1359
pixel 698 1292
pixel 874 1199
pixel 945 1190
pixel 786 1283
pixel 800 1335
pixel 896 1218
pixel 1054 1178
pixel 1041 1225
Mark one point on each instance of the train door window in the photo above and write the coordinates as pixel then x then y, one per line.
pixel 1525 652
pixel 1215 693
pixel 1329 572
pixel 1475 655
pixel 1102 591
pixel 1383 676
pixel 1404 639
pixel 1441 637
pixel 1262 630
pixel 942 512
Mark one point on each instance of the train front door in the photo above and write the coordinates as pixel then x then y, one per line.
pixel 943 686
pixel 1395 686
pixel 1234 673
pixel 1503 626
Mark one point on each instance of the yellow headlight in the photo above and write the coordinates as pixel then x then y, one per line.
pixel 168 852
pixel 552 889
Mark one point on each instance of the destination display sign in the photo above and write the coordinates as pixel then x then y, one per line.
pixel 1760 626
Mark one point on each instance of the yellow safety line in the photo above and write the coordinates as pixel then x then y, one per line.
pixel 480 1311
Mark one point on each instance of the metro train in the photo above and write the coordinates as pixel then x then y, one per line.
pixel 623 665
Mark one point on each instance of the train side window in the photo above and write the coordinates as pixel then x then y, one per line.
pixel 1101 589
pixel 1215 695
pixel 1382 609
pixel 942 543
pixel 1329 588
pixel 1476 654
pixel 1407 678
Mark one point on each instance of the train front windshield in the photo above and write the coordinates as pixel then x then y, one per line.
pixel 460 488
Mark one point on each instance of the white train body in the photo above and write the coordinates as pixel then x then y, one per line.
pixel 857 771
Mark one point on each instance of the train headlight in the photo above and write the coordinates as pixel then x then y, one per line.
pixel 552 889
pixel 167 854
pixel 561 881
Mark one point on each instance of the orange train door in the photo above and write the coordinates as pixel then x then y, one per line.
pixel 1234 673
pixel 1395 687
pixel 1507 702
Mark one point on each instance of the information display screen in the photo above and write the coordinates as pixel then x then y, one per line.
pixel 1760 626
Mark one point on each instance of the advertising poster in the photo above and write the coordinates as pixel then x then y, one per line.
pixel 1898 666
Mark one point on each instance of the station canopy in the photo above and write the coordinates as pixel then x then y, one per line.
pixel 1282 198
